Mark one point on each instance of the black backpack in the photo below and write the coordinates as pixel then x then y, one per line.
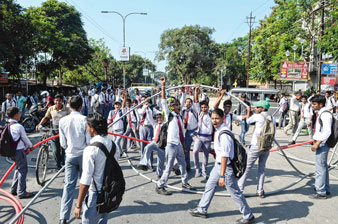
pixel 162 140
pixel 333 139
pixel 7 144
pixel 113 184
pixel 238 163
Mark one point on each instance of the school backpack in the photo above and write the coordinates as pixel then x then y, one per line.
pixel 7 144
pixel 238 163
pixel 113 184
pixel 265 140
pixel 96 103
pixel 333 139
pixel 162 139
pixel 286 106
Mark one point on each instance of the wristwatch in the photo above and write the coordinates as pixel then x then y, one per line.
pixel 78 206
pixel 222 177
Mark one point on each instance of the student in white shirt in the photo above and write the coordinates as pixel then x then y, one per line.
pixel 175 144
pixel 320 136
pixel 131 122
pixel 262 108
pixel 282 110
pixel 146 162
pixel 9 102
pixel 306 113
pixel 222 173
pixel 330 102
pixel 85 104
pixel 93 165
pixel 19 135
pixel 204 135
pixel 95 102
pixel 117 127
pixel 74 137
pixel 103 102
pixel 293 113
pixel 190 120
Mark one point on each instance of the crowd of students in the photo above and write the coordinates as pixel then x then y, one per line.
pixel 180 123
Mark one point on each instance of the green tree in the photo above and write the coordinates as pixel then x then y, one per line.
pixel 190 52
pixel 16 33
pixel 59 37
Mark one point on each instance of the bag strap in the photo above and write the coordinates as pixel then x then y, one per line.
pixel 9 126
pixel 320 120
pixel 105 151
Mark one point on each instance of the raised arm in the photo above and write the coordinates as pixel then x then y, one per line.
pixel 197 86
pixel 221 93
pixel 164 101
pixel 183 97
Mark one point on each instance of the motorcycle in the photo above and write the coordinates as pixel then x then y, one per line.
pixel 33 118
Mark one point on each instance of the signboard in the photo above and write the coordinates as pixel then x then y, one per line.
pixel 329 69
pixel 294 70
pixel 145 72
pixel 4 77
pixel 329 80
pixel 124 53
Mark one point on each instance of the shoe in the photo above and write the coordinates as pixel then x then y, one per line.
pixel 188 168
pixel 158 177
pixel 163 191
pixel 177 171
pixel 246 221
pixel 153 168
pixel 292 143
pixel 14 193
pixel 328 193
pixel 187 186
pixel 27 195
pixel 261 195
pixel 142 167
pixel 317 196
pixel 194 212
pixel 205 176
pixel 63 221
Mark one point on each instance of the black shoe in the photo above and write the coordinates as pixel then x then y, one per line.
pixel 292 143
pixel 142 167
pixel 317 196
pixel 188 168
pixel 194 212
pixel 163 191
pixel 158 177
pixel 27 195
pixel 14 193
pixel 246 221
pixel 63 221
pixel 153 168
pixel 328 193
pixel 187 186
pixel 261 195
pixel 177 171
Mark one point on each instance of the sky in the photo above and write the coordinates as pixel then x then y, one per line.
pixel 227 17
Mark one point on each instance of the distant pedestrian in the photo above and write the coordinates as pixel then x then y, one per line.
pixel 293 114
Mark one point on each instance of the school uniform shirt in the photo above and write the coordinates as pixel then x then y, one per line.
pixel 17 131
pixel 148 118
pixel 227 120
pixel 259 121
pixel 281 103
pixel 111 98
pixel 306 111
pixel 322 133
pixel 157 129
pixel 74 136
pixel 94 99
pixel 102 98
pixel 173 127
pixel 131 116
pixel 223 145
pixel 114 116
pixel 93 162
pixel 330 103
pixel 294 104
pixel 189 114
pixel 7 104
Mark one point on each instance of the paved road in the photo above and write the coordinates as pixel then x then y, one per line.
pixel 142 205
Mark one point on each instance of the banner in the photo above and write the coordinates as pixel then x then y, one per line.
pixel 3 77
pixel 294 70
pixel 329 69
pixel 124 53
pixel 329 80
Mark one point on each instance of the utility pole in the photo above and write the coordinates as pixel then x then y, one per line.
pixel 320 58
pixel 250 20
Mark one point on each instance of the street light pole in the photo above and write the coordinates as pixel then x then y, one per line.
pixel 302 41
pixel 124 35
pixel 294 47
pixel 287 54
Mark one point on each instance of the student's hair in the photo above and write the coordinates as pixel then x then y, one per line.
pixel 12 111
pixel 204 103
pixel 103 89
pixel 128 100
pixel 304 96
pixel 219 112
pixel 319 99
pixel 75 102
pixel 58 96
pixel 282 94
pixel 117 102
pixel 328 92
pixel 109 90
pixel 135 101
pixel 98 122
pixel 188 99
pixel 174 102
pixel 97 90
pixel 227 102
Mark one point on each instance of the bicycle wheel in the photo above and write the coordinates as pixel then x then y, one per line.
pixel 42 164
